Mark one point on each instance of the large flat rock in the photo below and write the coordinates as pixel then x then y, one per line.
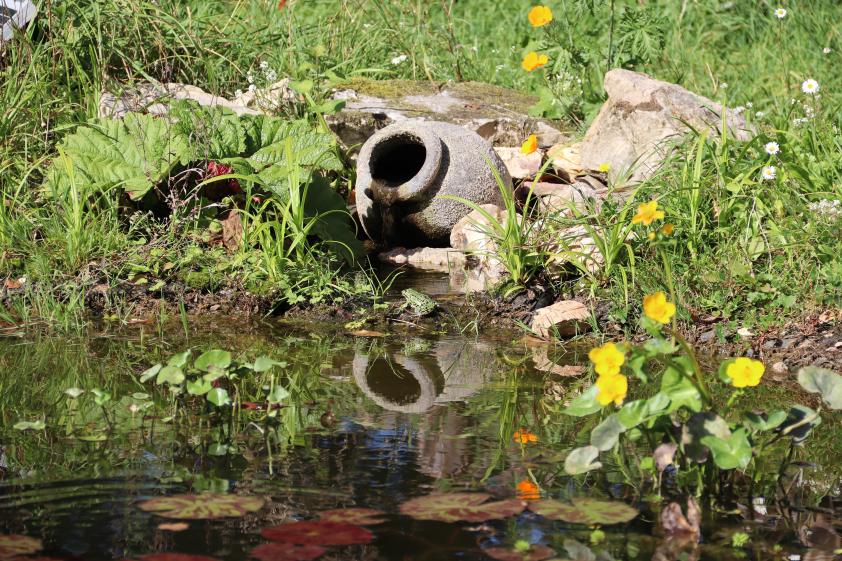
pixel 500 115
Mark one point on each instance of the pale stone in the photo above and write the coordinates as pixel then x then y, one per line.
pixel 520 165
pixel 566 318
pixel 149 98
pixel 441 259
pixel 641 121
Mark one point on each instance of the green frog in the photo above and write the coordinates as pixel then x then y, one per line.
pixel 418 303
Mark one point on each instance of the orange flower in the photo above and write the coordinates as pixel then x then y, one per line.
pixel 533 61
pixel 528 491
pixel 667 229
pixel 540 16
pixel 523 436
pixel 529 145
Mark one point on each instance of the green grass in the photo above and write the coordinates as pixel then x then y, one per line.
pixel 743 248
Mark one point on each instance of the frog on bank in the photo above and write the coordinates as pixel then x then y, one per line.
pixel 418 303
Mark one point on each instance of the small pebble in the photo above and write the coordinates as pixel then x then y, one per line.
pixel 780 367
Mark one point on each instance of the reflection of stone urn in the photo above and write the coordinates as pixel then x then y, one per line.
pixel 404 169
pixel 415 383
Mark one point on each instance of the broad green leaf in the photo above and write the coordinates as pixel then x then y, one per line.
pixel 585 511
pixel 101 397
pixel 799 423
pixel 216 358
pixel 218 396
pixel 696 428
pixel 680 389
pixel 198 386
pixel 607 433
pixel 635 412
pixel 205 506
pixel 761 422
pixel 30 425
pixel 582 460
pixel 170 375
pixel 278 395
pixel 150 373
pixel 583 405
pixel 264 363
pixel 824 382
pixel 179 360
pixel 732 452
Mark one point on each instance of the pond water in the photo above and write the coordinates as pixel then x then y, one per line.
pixel 369 422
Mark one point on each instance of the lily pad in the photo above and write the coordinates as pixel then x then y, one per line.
pixel 585 511
pixel 318 532
pixel 205 506
pixel 534 553
pixel 287 552
pixel 453 507
pixel 13 544
pixel 358 516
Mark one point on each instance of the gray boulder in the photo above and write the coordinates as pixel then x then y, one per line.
pixel 643 119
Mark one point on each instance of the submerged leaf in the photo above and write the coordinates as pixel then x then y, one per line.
pixel 205 506
pixel 359 516
pixel 534 553
pixel 824 382
pixel 287 552
pixel 582 460
pixel 318 532
pixel 12 545
pixel 453 507
pixel 585 511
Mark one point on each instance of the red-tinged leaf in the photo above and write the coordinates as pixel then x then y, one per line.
pixel 170 556
pixel 318 532
pixel 205 506
pixel 174 526
pixel 287 552
pixel 585 511
pixel 534 553
pixel 13 544
pixel 358 516
pixel 453 507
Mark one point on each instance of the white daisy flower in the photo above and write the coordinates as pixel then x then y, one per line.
pixel 826 50
pixel 769 173
pixel 810 86
pixel 399 59
pixel 749 104
pixel 760 114
pixel 780 13
pixel 772 148
pixel 264 65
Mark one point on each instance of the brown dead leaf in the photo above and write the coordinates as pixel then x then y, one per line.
pixel 664 455
pixel 567 318
pixel 174 526
pixel 675 524
pixel 367 333
pixel 232 231
pixel 12 284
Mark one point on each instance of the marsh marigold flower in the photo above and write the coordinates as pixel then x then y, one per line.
pixel 523 436
pixel 745 372
pixel 529 145
pixel 540 16
pixel 533 61
pixel 658 308
pixel 611 389
pixel 647 213
pixel 607 359
pixel 528 491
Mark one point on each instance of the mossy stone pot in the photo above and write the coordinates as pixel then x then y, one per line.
pixel 404 170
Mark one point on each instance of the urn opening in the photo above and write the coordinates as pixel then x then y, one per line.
pixel 393 382
pixel 397 159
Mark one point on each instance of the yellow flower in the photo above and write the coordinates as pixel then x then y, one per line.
pixel 611 389
pixel 667 229
pixel 523 436
pixel 657 308
pixel 529 145
pixel 650 236
pixel 607 359
pixel 540 16
pixel 745 372
pixel 647 213
pixel 604 167
pixel 533 61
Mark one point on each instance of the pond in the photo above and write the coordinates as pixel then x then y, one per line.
pixel 359 423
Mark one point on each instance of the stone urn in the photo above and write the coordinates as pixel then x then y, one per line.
pixel 404 170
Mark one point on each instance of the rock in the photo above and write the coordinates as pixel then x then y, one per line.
pixel 567 160
pixel 780 367
pixel 440 259
pixel 149 98
pixel 271 99
pixel 499 115
pixel 520 165
pixel 471 233
pixel 407 171
pixel 745 333
pixel 567 318
pixel 642 118
pixel 580 195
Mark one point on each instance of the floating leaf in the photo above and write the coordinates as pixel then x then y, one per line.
pixel 215 358
pixel 582 460
pixel 287 552
pixel 358 516
pixel 453 507
pixel 585 511
pixel 204 506
pixel 731 452
pixel 318 532
pixel 824 382
pixel 534 553
pixel 13 544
